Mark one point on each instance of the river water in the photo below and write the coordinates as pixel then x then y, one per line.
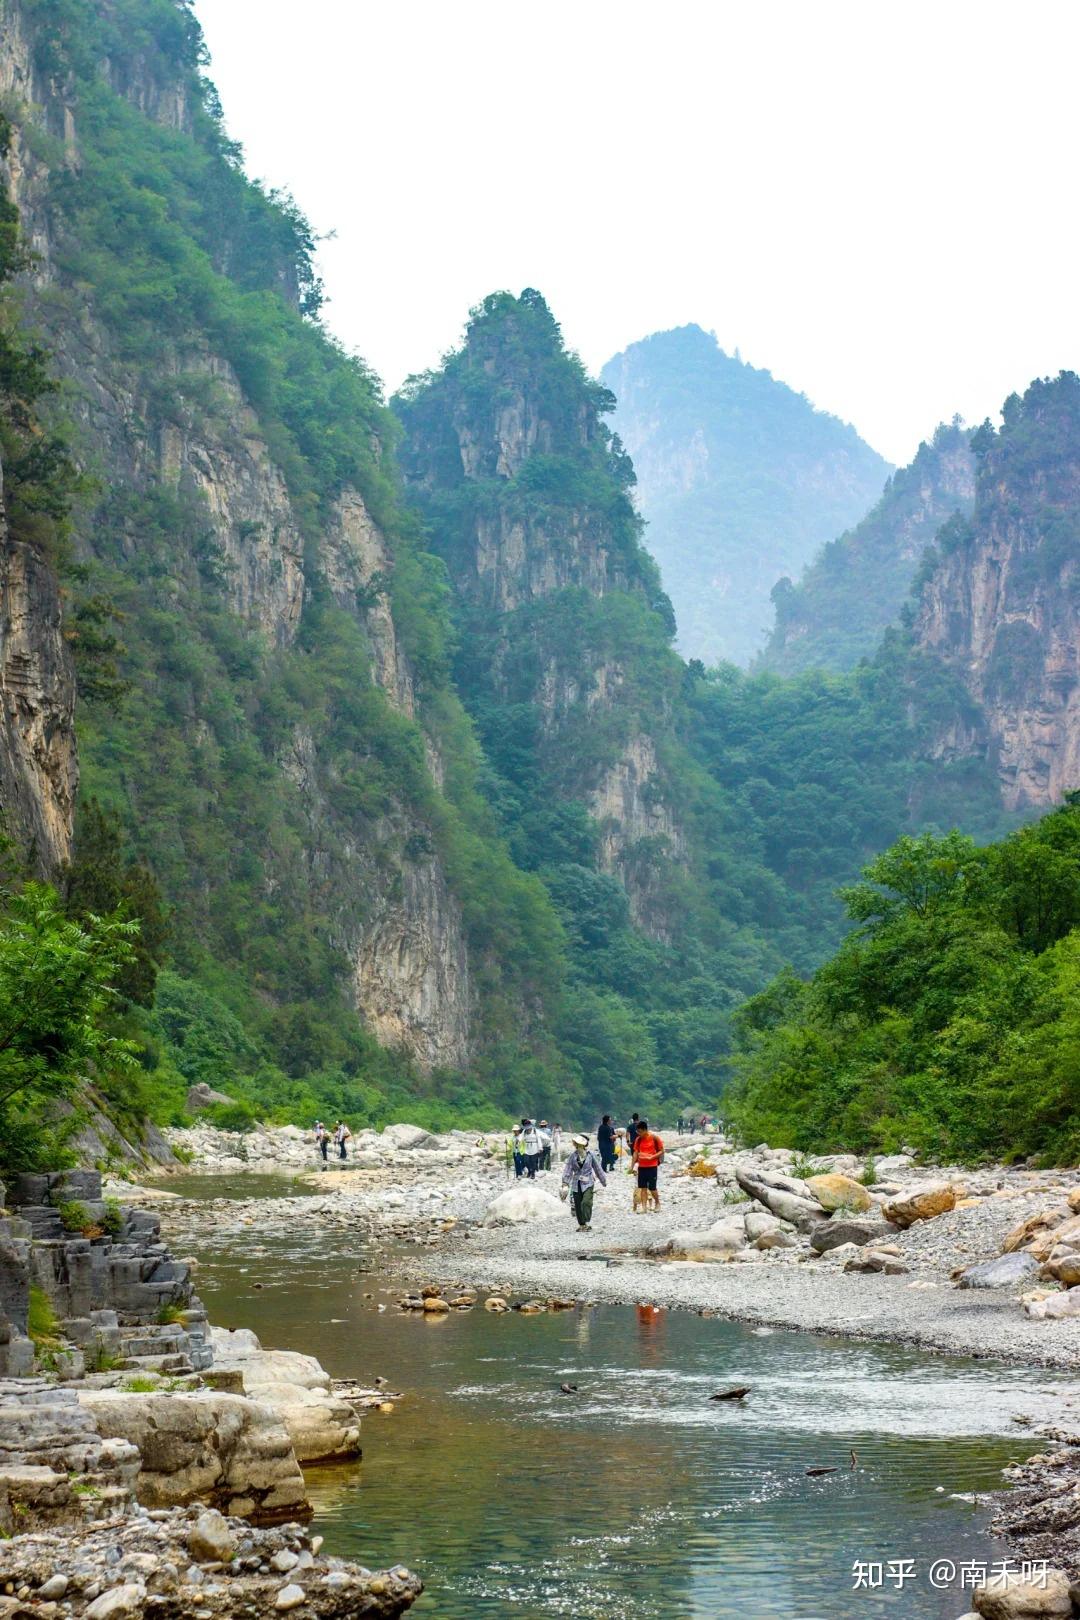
pixel 636 1495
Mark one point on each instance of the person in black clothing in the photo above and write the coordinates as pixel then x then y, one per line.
pixel 605 1141
pixel 631 1131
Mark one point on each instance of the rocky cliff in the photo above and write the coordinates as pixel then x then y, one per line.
pixel 740 479
pixel 527 497
pixel 205 526
pixel 837 612
pixel 1000 606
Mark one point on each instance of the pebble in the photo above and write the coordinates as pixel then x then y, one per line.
pixel 290 1597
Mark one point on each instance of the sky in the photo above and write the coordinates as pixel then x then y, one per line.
pixel 875 200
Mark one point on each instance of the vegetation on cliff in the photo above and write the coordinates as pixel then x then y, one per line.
pixel 837 611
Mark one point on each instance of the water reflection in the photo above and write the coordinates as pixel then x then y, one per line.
pixel 636 1492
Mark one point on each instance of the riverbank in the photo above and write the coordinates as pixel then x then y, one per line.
pixel 431 1194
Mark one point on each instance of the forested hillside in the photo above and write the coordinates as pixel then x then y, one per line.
pixel 837 611
pixel 741 481
pixel 395 796
pixel 947 1020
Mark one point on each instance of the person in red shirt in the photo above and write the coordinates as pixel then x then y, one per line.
pixel 648 1157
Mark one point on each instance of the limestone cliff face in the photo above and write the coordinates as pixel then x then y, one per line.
pixel 1002 607
pixel 178 428
pixel 38 762
pixel 528 501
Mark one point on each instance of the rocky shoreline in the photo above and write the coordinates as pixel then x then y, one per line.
pixel 721 1249
pixel 129 1428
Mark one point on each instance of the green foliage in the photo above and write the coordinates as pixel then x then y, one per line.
pixel 43 1329
pixel 947 1019
pixel 113 1219
pixel 74 1216
pixel 840 607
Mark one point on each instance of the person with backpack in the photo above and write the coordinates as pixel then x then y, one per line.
pixel 545 1145
pixel 583 1170
pixel 648 1157
pixel 322 1140
pixel 530 1148
pixel 342 1134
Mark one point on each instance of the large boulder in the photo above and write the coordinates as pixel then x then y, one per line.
pixel 920 1202
pixel 521 1203
pixel 1003 1272
pixel 321 1426
pixel 1063 1265
pixel 202 1096
pixel 227 1450
pixel 1053 1307
pixel 831 1234
pixel 835 1191
pixel 1052 1237
pixel 1010 1597
pixel 789 1206
pixel 1044 1221
pixel 405 1136
pixel 717 1242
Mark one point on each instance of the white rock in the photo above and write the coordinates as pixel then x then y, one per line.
pixel 117 1602
pixel 290 1597
pixel 525 1202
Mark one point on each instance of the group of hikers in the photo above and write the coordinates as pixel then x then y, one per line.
pixel 533 1143
pixel 340 1138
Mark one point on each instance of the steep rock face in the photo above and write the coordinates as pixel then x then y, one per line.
pixel 1002 606
pixel 857 585
pixel 740 480
pixel 197 513
pixel 38 761
pixel 526 496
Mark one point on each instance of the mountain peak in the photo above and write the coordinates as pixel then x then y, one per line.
pixel 740 478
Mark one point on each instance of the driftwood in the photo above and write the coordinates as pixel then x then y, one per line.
pixel 812 1473
pixel 735 1394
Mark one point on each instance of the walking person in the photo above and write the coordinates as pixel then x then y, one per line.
pixel 605 1141
pixel 322 1140
pixel 544 1133
pixel 530 1148
pixel 342 1135
pixel 631 1131
pixel 556 1142
pixel 648 1157
pixel 518 1155
pixel 583 1171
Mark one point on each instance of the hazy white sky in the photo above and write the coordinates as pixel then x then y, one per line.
pixel 875 200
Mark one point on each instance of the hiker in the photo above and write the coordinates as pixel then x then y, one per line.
pixel 342 1134
pixel 605 1141
pixel 648 1157
pixel 530 1148
pixel 631 1131
pixel 583 1171
pixel 556 1141
pixel 322 1140
pixel 519 1156
pixel 544 1133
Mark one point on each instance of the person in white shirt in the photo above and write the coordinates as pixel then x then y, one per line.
pixel 545 1145
pixel 530 1148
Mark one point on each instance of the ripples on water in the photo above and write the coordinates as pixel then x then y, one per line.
pixel 637 1495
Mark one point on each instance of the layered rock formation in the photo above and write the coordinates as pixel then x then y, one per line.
pixel 1000 605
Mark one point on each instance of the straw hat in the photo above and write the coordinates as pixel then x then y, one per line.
pixel 580 1141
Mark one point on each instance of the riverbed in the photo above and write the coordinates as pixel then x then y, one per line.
pixel 635 1493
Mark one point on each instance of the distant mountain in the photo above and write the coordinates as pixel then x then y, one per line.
pixel 741 481
pixel 856 587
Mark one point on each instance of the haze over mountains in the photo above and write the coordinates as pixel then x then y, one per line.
pixel 741 481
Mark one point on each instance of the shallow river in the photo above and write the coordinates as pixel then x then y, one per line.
pixel 637 1495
